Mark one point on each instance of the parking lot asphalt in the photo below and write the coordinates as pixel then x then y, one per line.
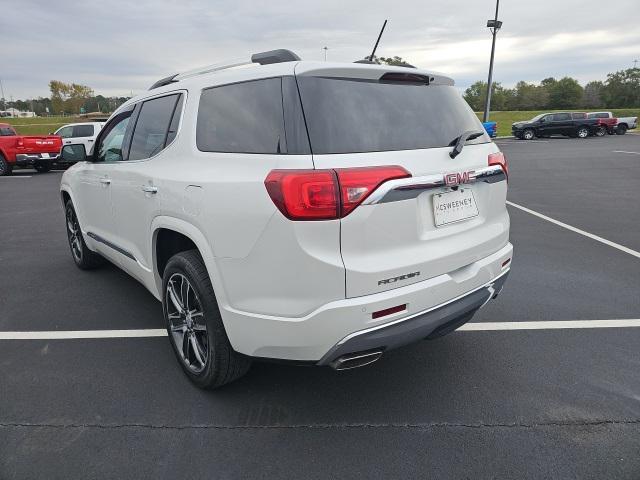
pixel 475 404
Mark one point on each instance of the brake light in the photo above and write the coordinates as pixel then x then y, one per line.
pixel 326 194
pixel 498 158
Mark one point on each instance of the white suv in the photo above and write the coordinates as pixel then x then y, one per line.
pixel 319 213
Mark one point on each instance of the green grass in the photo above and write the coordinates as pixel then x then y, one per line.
pixel 39 125
pixel 44 125
pixel 505 119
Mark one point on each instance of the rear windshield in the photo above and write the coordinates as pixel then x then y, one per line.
pixel 6 132
pixel 347 115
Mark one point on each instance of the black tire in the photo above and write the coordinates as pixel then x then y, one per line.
pixel 5 167
pixel 528 134
pixel 222 364
pixel 42 167
pixel 600 132
pixel 84 258
pixel 582 132
pixel 621 130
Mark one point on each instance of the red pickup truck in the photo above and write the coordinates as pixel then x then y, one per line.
pixel 38 152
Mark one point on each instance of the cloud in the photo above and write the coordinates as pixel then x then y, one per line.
pixel 118 47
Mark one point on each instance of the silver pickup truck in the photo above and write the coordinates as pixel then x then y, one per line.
pixel 624 123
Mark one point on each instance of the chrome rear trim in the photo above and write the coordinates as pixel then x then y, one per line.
pixel 407 188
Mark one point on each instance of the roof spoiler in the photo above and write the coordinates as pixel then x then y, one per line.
pixel 263 58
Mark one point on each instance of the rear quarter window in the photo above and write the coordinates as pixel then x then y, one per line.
pixel 242 118
pixel 82 131
pixel 352 115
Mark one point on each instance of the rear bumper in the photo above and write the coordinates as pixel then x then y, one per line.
pixel 432 323
pixel 325 332
pixel 30 159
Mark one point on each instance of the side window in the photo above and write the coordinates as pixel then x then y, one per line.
pixel 242 118
pixel 561 117
pixel 82 131
pixel 578 116
pixel 65 132
pixel 112 137
pixel 152 127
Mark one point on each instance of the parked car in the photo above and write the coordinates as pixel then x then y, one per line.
pixel 622 124
pixel 491 128
pixel 28 151
pixel 81 137
pixel 572 124
pixel 281 211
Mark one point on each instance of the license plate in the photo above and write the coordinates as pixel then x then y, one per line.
pixel 454 206
pixel 44 155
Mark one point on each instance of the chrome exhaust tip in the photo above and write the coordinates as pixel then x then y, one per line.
pixel 355 360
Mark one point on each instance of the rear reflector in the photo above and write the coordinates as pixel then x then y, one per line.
pixel 326 194
pixel 499 159
pixel 389 311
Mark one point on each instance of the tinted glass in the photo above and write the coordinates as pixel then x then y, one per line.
pixel 152 127
pixel 560 117
pixel 65 132
pixel 346 116
pixel 83 131
pixel 6 132
pixel 175 122
pixel 110 148
pixel 244 117
pixel 598 115
pixel 578 116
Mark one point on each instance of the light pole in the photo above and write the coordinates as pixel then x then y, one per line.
pixel 494 25
pixel 325 52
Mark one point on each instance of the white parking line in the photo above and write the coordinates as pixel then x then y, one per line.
pixel 469 327
pixel 577 230
pixel 16 176
pixel 622 151
pixel 77 334
pixel 550 325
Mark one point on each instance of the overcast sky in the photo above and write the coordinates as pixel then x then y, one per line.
pixel 118 47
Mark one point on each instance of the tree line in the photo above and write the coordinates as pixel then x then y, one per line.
pixel 620 90
pixel 67 99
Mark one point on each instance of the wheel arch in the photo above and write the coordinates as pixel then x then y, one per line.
pixel 172 235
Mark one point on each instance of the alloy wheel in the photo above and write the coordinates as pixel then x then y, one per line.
pixel 73 232
pixel 583 133
pixel 187 327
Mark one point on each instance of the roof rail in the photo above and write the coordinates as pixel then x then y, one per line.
pixel 274 56
pixel 263 58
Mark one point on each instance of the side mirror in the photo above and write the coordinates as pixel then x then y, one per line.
pixel 542 120
pixel 73 154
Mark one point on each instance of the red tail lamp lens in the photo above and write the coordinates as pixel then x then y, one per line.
pixel 499 159
pixel 326 194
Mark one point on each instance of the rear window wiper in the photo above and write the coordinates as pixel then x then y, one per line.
pixel 458 142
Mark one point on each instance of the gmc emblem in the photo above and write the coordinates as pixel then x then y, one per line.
pixel 459 177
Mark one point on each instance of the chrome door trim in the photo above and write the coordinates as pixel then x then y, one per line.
pixel 407 188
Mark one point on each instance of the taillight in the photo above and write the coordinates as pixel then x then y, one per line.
pixel 499 159
pixel 356 184
pixel 326 194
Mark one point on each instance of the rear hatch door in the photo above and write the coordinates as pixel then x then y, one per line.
pixel 442 219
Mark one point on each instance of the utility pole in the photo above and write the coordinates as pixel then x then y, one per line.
pixel 325 52
pixel 494 25
pixel 2 90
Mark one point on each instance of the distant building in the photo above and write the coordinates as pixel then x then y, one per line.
pixel 14 112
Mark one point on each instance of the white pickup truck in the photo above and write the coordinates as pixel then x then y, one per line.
pixel 624 123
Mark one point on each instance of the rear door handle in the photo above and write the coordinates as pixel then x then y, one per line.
pixel 149 189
